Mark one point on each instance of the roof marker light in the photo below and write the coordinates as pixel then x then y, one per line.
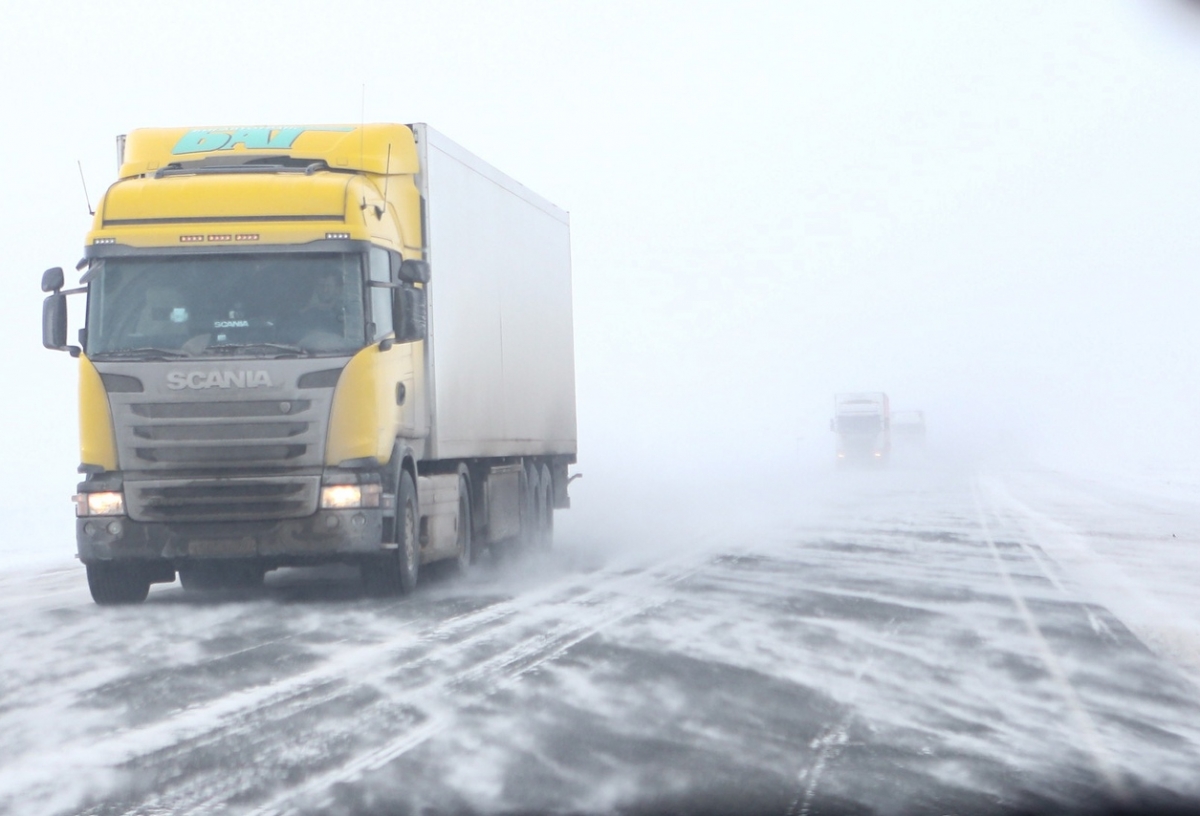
pixel 220 237
pixel 246 236
pixel 344 235
pixel 104 241
pixel 190 239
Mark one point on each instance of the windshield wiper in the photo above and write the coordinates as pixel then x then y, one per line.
pixel 148 352
pixel 280 348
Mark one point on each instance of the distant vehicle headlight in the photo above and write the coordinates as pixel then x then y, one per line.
pixel 345 497
pixel 108 503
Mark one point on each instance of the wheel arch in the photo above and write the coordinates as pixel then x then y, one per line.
pixel 403 459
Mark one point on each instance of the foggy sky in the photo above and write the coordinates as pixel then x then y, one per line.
pixel 986 209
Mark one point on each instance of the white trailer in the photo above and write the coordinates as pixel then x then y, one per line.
pixel 501 342
pixel 500 347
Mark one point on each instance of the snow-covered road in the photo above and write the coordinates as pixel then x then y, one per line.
pixel 898 641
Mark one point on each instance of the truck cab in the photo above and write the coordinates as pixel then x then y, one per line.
pixel 862 424
pixel 256 379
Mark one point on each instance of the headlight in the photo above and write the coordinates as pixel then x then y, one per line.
pixel 110 503
pixel 345 497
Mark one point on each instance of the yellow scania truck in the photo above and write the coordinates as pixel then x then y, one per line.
pixel 315 344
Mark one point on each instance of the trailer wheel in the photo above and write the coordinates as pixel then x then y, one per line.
pixel 466 538
pixel 395 572
pixel 531 509
pixel 546 521
pixel 114 583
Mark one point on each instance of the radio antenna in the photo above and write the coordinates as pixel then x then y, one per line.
pixel 87 199
pixel 387 170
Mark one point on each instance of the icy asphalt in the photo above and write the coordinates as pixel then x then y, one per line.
pixel 902 641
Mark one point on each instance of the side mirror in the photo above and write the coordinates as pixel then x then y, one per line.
pixel 54 320
pixel 408 314
pixel 414 271
pixel 52 279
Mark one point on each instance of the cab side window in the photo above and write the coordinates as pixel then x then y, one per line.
pixel 379 271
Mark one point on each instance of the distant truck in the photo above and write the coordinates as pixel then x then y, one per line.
pixel 862 422
pixel 315 344
pixel 908 427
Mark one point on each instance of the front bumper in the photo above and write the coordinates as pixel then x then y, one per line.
pixel 327 535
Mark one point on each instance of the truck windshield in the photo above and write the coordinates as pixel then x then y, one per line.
pixel 227 304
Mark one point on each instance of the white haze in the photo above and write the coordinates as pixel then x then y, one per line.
pixel 985 209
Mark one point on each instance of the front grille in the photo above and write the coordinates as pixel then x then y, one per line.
pixel 219 410
pixel 222 499
pixel 209 433
pixel 238 434
pixel 241 454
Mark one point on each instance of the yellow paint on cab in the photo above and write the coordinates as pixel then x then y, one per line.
pixel 97 439
pixel 365 420
pixel 378 201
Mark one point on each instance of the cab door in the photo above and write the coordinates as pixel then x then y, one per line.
pixel 399 394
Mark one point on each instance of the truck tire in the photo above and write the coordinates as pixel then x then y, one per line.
pixel 115 583
pixel 546 540
pixel 531 510
pixel 395 572
pixel 466 538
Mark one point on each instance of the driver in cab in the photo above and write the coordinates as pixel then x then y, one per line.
pixel 324 310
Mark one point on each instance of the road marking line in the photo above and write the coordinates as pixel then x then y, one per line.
pixel 221 718
pixel 609 596
pixel 833 737
pixel 830 741
pixel 502 670
pixel 1084 725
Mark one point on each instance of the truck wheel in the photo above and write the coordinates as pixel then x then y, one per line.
pixel 531 510
pixel 113 583
pixel 466 539
pixel 546 541
pixel 395 572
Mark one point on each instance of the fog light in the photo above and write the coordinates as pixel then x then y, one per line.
pixel 109 503
pixel 345 497
pixel 359 520
pixel 115 527
pixel 331 522
pixel 90 528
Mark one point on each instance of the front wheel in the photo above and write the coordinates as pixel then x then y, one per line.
pixel 116 583
pixel 466 539
pixel 395 572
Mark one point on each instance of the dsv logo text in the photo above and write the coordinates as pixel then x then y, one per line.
pixel 178 380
